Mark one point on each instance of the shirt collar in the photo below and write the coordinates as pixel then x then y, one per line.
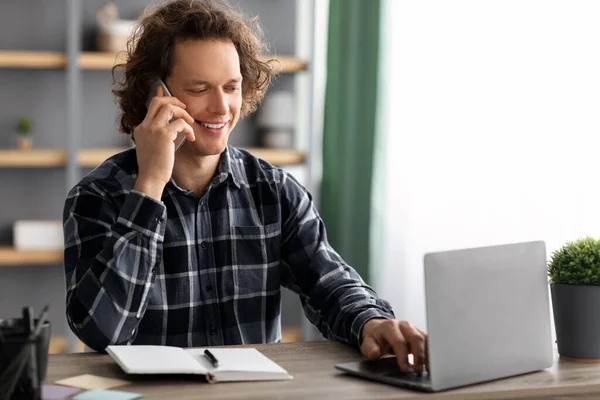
pixel 230 166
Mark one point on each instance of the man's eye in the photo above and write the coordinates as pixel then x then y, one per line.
pixel 198 91
pixel 233 89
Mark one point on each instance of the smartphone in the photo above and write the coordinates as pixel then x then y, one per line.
pixel 180 139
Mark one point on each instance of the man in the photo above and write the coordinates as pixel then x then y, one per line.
pixel 191 247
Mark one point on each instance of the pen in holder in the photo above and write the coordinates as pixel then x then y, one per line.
pixel 24 346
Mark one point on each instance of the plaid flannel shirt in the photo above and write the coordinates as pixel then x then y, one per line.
pixel 203 271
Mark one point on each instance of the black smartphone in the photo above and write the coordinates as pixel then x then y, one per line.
pixel 153 86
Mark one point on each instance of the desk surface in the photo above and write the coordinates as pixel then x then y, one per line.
pixel 312 365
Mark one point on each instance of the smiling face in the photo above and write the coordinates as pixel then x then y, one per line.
pixel 205 75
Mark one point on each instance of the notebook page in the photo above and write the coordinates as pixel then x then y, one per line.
pixel 155 360
pixel 240 359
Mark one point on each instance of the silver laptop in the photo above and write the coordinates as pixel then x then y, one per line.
pixel 488 317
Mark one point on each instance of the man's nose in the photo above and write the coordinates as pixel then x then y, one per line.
pixel 218 103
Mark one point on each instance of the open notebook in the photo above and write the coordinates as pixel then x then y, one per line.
pixel 235 364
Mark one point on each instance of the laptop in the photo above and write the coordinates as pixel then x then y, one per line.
pixel 488 317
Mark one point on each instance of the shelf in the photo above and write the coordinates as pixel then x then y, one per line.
pixel 32 59
pixel 96 60
pixel 58 345
pixel 279 157
pixel 93 157
pixel 291 64
pixel 291 334
pixel 32 158
pixel 12 257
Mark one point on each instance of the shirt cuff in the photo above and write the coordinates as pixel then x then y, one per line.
pixel 361 320
pixel 145 215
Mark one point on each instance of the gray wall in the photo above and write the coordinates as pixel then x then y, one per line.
pixel 38 193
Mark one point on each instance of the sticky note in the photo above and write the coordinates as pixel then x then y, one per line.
pixel 90 382
pixel 107 395
pixel 54 392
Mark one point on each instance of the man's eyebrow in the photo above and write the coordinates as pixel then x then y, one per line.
pixel 201 82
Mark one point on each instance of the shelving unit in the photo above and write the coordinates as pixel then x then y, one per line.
pixel 79 69
pixel 99 60
pixel 89 158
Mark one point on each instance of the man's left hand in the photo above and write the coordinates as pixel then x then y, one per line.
pixel 382 336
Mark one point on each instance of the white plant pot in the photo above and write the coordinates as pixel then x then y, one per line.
pixel 278 139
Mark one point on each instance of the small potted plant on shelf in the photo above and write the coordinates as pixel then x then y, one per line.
pixel 24 130
pixel 574 272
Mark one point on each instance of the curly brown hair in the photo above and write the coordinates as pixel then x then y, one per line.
pixel 150 52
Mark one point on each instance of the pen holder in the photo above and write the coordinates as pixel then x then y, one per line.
pixel 24 344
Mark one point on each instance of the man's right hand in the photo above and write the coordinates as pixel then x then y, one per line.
pixel 154 141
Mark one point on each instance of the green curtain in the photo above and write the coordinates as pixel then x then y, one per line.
pixel 349 128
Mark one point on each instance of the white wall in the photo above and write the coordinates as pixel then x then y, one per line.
pixel 492 130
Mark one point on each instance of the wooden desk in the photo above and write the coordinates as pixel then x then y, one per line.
pixel 311 364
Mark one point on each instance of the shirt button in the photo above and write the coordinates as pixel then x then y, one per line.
pixel 203 244
pixel 209 288
pixel 213 331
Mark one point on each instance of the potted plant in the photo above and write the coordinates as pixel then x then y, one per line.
pixel 24 130
pixel 574 272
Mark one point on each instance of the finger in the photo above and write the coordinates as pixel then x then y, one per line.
pixel 180 125
pixel 370 348
pixel 386 349
pixel 393 336
pixel 168 112
pixel 426 347
pixel 158 102
pixel 159 91
pixel 416 343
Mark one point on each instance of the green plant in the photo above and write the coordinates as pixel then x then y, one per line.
pixel 576 263
pixel 24 126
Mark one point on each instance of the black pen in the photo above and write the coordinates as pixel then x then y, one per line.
pixel 209 356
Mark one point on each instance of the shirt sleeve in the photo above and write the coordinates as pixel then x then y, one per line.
pixel 111 255
pixel 334 297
